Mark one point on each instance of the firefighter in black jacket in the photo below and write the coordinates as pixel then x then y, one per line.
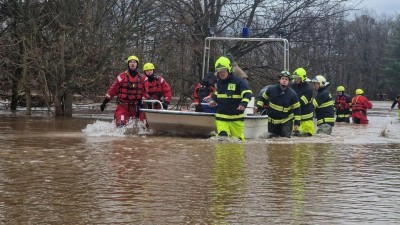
pixel 323 105
pixel 230 98
pixel 305 93
pixel 284 107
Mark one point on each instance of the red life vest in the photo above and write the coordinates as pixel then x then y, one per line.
pixel 360 103
pixel 340 102
pixel 155 89
pixel 201 91
pixel 131 88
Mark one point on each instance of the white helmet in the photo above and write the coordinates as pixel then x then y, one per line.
pixel 321 80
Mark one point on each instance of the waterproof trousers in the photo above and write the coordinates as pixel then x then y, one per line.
pixel 307 128
pixel 232 128
pixel 360 117
pixel 282 129
pixel 124 112
pixel 343 118
pixel 324 128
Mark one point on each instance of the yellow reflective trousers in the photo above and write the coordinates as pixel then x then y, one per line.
pixel 231 128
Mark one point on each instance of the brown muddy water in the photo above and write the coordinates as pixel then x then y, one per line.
pixel 82 171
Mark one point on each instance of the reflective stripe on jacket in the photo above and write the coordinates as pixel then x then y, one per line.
pixel 231 93
pixel 323 105
pixel 305 93
pixel 284 105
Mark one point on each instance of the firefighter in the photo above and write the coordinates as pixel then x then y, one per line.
pixel 396 101
pixel 342 105
pixel 231 99
pixel 284 113
pixel 323 105
pixel 360 105
pixel 304 93
pixel 204 89
pixel 131 88
pixel 264 110
pixel 159 89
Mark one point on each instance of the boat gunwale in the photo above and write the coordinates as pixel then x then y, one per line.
pixel 192 113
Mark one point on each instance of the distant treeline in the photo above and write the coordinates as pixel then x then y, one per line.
pixel 55 49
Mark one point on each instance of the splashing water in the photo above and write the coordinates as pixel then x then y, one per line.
pixel 107 128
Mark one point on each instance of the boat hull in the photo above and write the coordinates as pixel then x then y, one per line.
pixel 198 123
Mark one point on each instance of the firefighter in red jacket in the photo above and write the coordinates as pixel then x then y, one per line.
pixel 396 101
pixel 360 105
pixel 131 88
pixel 159 89
pixel 342 105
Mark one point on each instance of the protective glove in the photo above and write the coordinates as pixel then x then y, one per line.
pixel 165 105
pixel 103 105
pixel 258 109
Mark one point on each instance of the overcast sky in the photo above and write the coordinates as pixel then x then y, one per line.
pixel 389 7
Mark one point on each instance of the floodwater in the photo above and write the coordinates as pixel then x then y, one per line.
pixel 82 171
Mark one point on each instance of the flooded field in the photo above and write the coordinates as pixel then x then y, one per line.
pixel 83 171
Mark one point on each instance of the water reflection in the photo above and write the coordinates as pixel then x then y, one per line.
pixel 228 179
pixel 52 172
pixel 303 158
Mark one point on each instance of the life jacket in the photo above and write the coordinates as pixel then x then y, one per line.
pixel 155 88
pixel 131 88
pixel 204 91
pixel 340 102
pixel 201 91
pixel 360 103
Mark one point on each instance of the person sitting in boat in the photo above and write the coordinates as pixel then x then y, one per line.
pixel 231 99
pixel 204 89
pixel 131 88
pixel 284 107
pixel 159 89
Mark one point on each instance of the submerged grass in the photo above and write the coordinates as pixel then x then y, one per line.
pixel 384 132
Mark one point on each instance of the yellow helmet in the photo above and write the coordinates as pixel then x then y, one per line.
pixel 148 66
pixel 132 57
pixel 321 80
pixel 340 88
pixel 359 91
pixel 301 73
pixel 223 63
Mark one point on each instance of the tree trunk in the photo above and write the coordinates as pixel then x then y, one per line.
pixel 63 97
pixel 25 79
pixel 14 91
